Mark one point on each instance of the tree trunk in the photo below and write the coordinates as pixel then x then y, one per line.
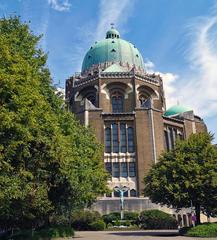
pixel 197 211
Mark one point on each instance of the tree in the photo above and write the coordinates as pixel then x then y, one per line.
pixel 48 161
pixel 187 174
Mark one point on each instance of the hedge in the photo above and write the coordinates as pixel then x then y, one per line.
pixel 204 230
pixel 156 219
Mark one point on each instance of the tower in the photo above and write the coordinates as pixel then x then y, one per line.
pixel 125 106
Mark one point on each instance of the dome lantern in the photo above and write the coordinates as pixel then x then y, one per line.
pixel 112 33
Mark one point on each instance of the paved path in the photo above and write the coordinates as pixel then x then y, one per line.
pixel 134 235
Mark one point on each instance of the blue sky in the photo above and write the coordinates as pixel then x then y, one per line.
pixel 175 37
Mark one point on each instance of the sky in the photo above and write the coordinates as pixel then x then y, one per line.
pixel 177 39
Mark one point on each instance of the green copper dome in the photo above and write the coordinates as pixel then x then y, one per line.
pixel 177 109
pixel 112 49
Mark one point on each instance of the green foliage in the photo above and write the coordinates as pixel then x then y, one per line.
pixel 186 174
pixel 156 219
pixel 208 230
pixel 115 217
pixel 111 217
pixel 117 222
pixel 127 223
pixel 82 220
pixel 45 233
pixel 98 225
pixel 49 163
pixel 132 217
pixel 58 220
pixel 109 225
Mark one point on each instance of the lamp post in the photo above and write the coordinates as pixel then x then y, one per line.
pixel 121 191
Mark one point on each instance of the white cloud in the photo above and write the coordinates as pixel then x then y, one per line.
pixel 199 88
pixel 60 5
pixel 112 11
pixel 169 80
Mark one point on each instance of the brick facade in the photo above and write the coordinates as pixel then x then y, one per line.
pixel 126 111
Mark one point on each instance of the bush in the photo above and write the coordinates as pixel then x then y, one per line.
pixel 132 217
pixel 109 225
pixel 98 226
pixel 204 230
pixel 57 219
pixel 183 231
pixel 51 232
pixel 117 223
pixel 82 220
pixel 127 223
pixel 111 218
pixel 156 219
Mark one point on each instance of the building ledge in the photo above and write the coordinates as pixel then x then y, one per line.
pixel 118 114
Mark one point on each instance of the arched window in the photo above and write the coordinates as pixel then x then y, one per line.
pixel 130 140
pixel 180 220
pixel 108 140
pixel 117 102
pixel 133 193
pixel 123 138
pixel 185 220
pixel 126 193
pixel 116 194
pixel 115 138
pixel 91 98
pixel 145 102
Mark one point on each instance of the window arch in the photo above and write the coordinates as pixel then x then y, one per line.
pixel 91 97
pixel 126 194
pixel 89 93
pixel 116 193
pixel 117 102
pixel 133 193
pixel 145 101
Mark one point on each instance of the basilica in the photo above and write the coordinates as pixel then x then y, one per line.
pixel 125 106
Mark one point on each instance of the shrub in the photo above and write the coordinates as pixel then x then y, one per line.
pixel 132 217
pixel 117 223
pixel 81 220
pixel 127 223
pixel 156 219
pixel 109 225
pixel 183 231
pixel 98 225
pixel 57 219
pixel 111 218
pixel 204 230
pixel 56 232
